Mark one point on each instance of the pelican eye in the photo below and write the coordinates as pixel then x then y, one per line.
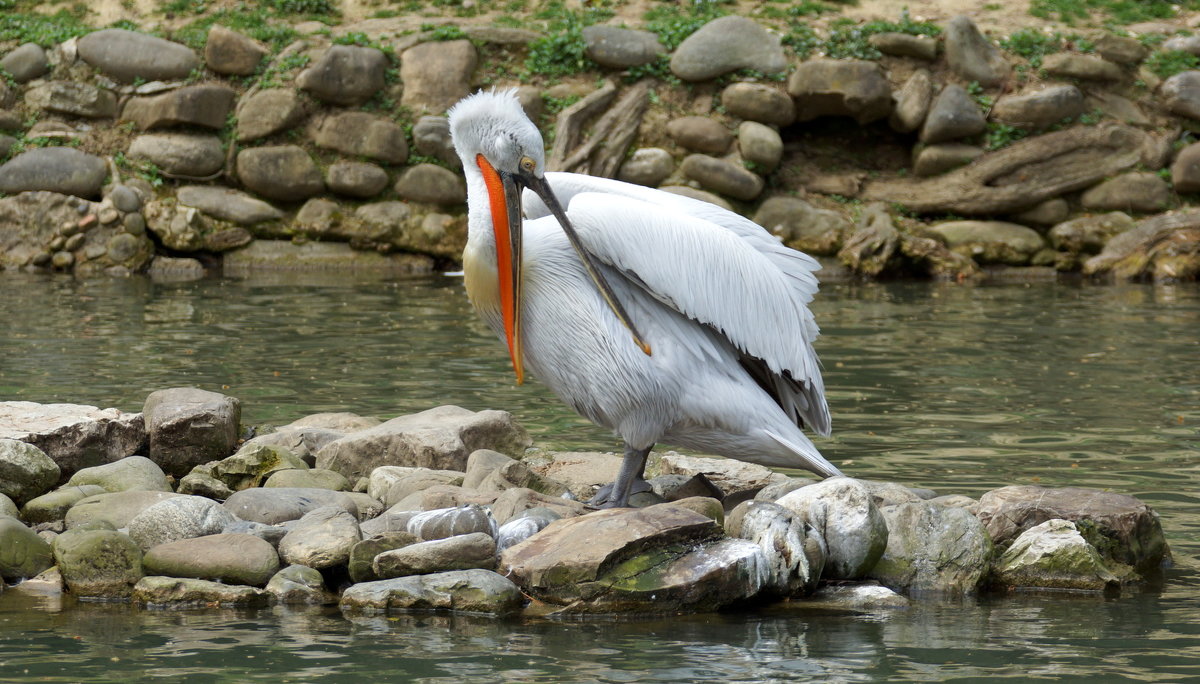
pixel 528 165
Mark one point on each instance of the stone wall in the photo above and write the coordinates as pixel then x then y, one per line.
pixel 124 148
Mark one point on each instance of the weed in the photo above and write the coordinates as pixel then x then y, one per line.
pixel 802 40
pixel 1000 135
pixel 976 92
pixel 1167 63
pixel 444 32
pixel 1032 44
pixel 176 7
pixel 673 25
pixel 45 30
pixel 555 105
pixel 258 23
pixel 848 40
pixel 304 7
pixel 562 51
pixel 1113 11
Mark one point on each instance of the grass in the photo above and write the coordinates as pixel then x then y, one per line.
pixel 673 25
pixel 1109 11
pixel 562 52
pixel 45 30
pixel 848 40
pixel 1000 135
pixel 1167 63
pixel 260 23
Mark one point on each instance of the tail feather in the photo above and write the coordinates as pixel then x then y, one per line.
pixel 811 459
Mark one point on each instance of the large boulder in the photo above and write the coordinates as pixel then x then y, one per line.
pixel 73 435
pixel 98 563
pixel 23 553
pixel 190 426
pixel 1054 555
pixel 836 87
pixel 128 55
pixel 345 75
pixel 113 508
pixel 281 172
pixel 181 592
pixel 842 511
pixel 991 241
pixel 228 558
pixel 130 473
pixel 25 471
pixel 460 552
pixel 321 538
pixel 57 169
pixel 933 548
pixel 727 44
pixel 183 517
pixel 971 56
pixel 281 504
pixel 437 74
pixel 471 591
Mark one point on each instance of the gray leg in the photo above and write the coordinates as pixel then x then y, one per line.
pixel 629 480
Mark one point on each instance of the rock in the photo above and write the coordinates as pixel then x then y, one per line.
pixel 795 554
pixel 1040 109
pixel 1180 43
pixel 282 172
pixel 905 45
pixel 1142 192
pixel 492 471
pixel 26 63
pixel 7 507
pixel 180 154
pixel 836 87
pixel 183 517
pixel 73 99
pixel 1162 247
pixel 461 552
pixel 356 179
pixel 390 484
pixel 199 105
pixel 1082 67
pixel 282 256
pixel 228 558
pixel 727 44
pixel 72 435
pixel 128 55
pixel 98 563
pixel 760 145
pixel 280 504
pixel 437 74
pixel 524 526
pixel 129 473
pixel 933 548
pixel 1117 107
pixel 621 48
pixel 363 134
pixel 58 169
pixel 431 184
pixel 23 553
pixel 471 591
pixel 776 491
pixel 758 102
pixel 990 241
pixel 931 160
pixel 514 502
pixel 185 229
pixel 1124 529
pixel 843 513
pixel 440 438
pixel 1185 171
pixel 1180 94
pixel 227 204
pixel 26 471
pixel 125 198
pixel 731 476
pixel 314 478
pixel 363 554
pixel 345 75
pixel 251 466
pixel 268 112
pixel 431 137
pixel 190 426
pixel 449 522
pixel 647 166
pixel 700 134
pixel 176 592
pixel 53 506
pixel 229 52
pixel 322 538
pixel 1053 555
pixel 113 508
pixel 953 115
pixel 343 422
pixel 855 598
pixel 584 472
pixel 1120 49
pixel 1045 213
pixel 722 176
pixel 297 584
pixel 912 102
pixel 971 56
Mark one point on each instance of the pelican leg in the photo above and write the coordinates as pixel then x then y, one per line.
pixel 630 480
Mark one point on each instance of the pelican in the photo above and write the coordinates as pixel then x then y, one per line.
pixel 660 317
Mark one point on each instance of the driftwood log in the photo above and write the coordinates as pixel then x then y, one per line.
pixel 1163 247
pixel 604 149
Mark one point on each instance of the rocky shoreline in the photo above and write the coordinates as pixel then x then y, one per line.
pixel 454 510
pixel 928 150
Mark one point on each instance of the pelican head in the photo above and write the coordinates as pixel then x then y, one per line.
pixel 494 137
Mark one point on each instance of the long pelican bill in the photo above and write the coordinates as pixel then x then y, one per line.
pixel 504 200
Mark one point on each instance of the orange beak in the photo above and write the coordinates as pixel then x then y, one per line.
pixel 504 199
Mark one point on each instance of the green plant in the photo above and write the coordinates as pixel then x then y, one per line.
pixel 802 40
pixel 1032 44
pixel 147 171
pixel 259 23
pixel 1000 135
pixel 1167 63
pixel 1112 11
pixel 444 32
pixel 848 40
pixel 674 25
pixel 305 7
pixel 46 30
pixel 976 92
pixel 562 51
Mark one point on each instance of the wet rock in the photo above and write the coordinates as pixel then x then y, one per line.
pixel 513 502
pixel 23 553
pixel 700 134
pixel 461 552
pixel 492 471
pixel 345 75
pixel 356 179
pixel 437 74
pixel 1082 67
pixel 228 558
pixel 971 56
pixel 341 421
pixel 843 513
pixel 722 176
pixel 1180 94
pixel 322 538
pixel 1040 109
pixel 449 522
pixel 440 438
pixel 189 426
pixel 795 554
pixel 181 154
pixel 431 137
pixel 912 102
pixel 297 584
pixel 130 473
pixel 933 548
pixel 25 63
pixel 25 471
pixel 227 204
pixel 363 554
pixel 776 491
pixel 71 98
pixel 58 169
pixel 620 48
pixel 1120 49
pixel 953 115
pixel 229 52
pixel 758 102
pixel 1185 171
pixel 176 592
pixel 431 184
pixel 282 172
pixel 1045 213
pixel 584 472
pixel 205 105
pixel 760 145
pixel 834 87
pixel 113 508
pixel 470 591
pixel 128 55
pixel 931 160
pixel 647 166
pixel 391 484
pixel 731 476
pixel 727 44
pixel 280 504
pixel 1053 555
pixel 524 526
pixel 183 517
pixel 312 478
pixel 394 519
pixel 905 45
pixel 990 241
pixel 855 598
pixel 7 507
pixel 185 229
pixel 1142 192
pixel 802 226
pixel 1121 527
pixel 98 563
pixel 268 112
pixel 54 505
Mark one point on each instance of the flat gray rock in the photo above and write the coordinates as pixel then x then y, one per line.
pixel 321 538
pixel 129 473
pixel 64 170
pixel 206 105
pixel 1039 109
pixel 227 204
pixel 183 517
pixel 180 592
pixel 25 471
pixel 113 508
pixel 621 48
pixel 72 98
pixel 228 558
pixel 195 155
pixel 129 55
pixel 462 591
pixel 280 504
pixel 461 552
pixel 73 435
pixel 727 44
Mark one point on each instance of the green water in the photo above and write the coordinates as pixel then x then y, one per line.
pixel 956 388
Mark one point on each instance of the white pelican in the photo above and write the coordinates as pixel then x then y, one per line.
pixel 657 316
